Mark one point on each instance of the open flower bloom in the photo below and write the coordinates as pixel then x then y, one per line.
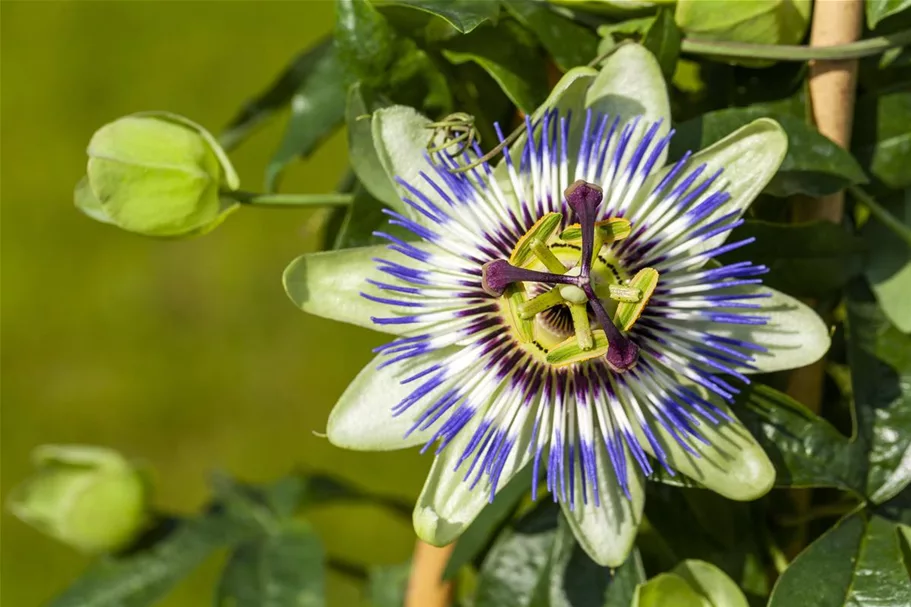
pixel 563 311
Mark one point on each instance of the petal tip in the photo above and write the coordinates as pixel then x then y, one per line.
pixel 433 528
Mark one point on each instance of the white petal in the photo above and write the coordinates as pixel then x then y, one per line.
pixel 732 465
pixel 795 335
pixel 329 284
pixel 607 532
pixel 749 157
pixel 448 504
pixel 362 419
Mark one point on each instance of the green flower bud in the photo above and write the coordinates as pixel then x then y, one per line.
pixel 157 174
pixel 754 21
pixel 88 497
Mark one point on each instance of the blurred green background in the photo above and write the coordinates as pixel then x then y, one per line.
pixel 185 354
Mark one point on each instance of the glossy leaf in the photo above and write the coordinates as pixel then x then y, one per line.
pixel 624 580
pixel 275 97
pixel 806 260
pixel 769 22
pixel 141 579
pixel 478 535
pixel 282 568
pixel 813 164
pixel 569 43
pixel 882 138
pixel 365 41
pixel 877 10
pixel 805 449
pixel 516 571
pixel 889 268
pixel 881 380
pixel 858 562
pixel 317 110
pixel 463 15
pixel 508 53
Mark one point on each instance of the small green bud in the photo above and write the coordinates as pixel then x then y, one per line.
pixel 90 498
pixel 157 174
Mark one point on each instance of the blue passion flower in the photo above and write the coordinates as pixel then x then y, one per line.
pixel 564 311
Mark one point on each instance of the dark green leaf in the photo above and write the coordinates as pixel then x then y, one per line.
pixel 387 585
pixel 881 380
pixel 663 39
pixel 877 10
pixel 507 52
pixel 624 580
pixel 365 41
pixel 806 450
pixel 569 43
pixel 889 267
pixel 516 572
pixel 882 137
pixel 284 568
pixel 364 217
pixel 858 562
pixel 805 260
pixel 478 535
pixel 276 96
pixel 814 165
pixel 317 109
pixel 144 577
pixel 464 15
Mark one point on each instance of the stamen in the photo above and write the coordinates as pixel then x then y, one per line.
pixel 579 313
pixel 546 256
pixel 538 304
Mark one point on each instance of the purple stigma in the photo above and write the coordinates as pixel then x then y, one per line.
pixel 583 198
pixel 498 274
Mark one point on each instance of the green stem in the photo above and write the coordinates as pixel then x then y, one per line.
pixel 879 212
pixel 331 199
pixel 784 52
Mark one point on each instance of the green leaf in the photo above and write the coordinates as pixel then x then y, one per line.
pixel 806 260
pixel 386 585
pixel 881 141
pixel 813 165
pixel 569 43
pixel 317 109
pixel 881 380
pixel 143 577
pixel 712 583
pixel 767 22
pixel 877 10
pixel 858 562
pixel 624 580
pixel 663 39
pixel 463 15
pixel 805 449
pixel 889 268
pixel 284 568
pixel 361 150
pixel 364 216
pixel 275 97
pixel 365 41
pixel 508 53
pixel 478 534
pixel 516 571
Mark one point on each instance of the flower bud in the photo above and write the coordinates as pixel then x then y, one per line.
pixel 88 497
pixel 156 174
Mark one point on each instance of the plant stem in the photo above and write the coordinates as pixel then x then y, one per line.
pixel 331 199
pixel 879 212
pixel 785 52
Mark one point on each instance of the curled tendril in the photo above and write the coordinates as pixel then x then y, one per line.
pixel 454 129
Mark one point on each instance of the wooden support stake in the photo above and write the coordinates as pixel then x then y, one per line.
pixel 426 587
